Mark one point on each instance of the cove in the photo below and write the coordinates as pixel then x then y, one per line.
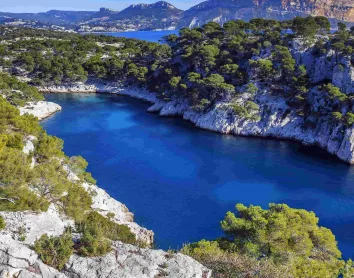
pixel 151 36
pixel 180 181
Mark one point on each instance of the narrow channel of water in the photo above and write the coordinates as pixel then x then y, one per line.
pixel 180 181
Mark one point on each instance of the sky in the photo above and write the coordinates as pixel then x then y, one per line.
pixel 32 6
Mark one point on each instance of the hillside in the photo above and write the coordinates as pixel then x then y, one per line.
pixel 158 10
pixel 52 16
pixel 224 10
pixel 159 15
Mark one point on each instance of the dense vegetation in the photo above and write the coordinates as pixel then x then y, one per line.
pixel 278 242
pixel 204 65
pixel 32 182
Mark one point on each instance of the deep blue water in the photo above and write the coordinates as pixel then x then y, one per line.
pixel 180 181
pixel 152 36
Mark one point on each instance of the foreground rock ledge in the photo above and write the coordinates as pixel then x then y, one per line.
pixel 125 261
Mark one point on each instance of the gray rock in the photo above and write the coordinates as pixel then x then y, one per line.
pixel 104 204
pixel 40 109
pixel 128 261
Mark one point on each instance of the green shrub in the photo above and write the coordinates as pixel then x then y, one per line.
pixel 337 116
pixel 20 198
pixel 349 117
pixel 93 244
pixel 14 166
pixel 55 251
pixel 285 235
pixel 50 179
pixel 227 264
pixel 79 165
pixel 2 223
pixel 14 141
pixel 77 202
pixel 88 178
pixel 110 229
pixel 250 105
pixel 17 92
pixel 334 92
pixel 48 147
pixel 239 110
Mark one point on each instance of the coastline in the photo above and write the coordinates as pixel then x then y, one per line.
pixel 277 122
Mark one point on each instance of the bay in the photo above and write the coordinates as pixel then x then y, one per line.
pixel 180 181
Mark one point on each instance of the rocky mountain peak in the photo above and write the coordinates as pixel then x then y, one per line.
pixel 106 10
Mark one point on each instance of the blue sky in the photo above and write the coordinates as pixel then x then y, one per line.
pixel 23 6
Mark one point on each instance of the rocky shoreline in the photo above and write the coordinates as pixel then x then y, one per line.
pixel 40 109
pixel 278 121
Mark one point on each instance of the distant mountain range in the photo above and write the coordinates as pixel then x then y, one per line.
pixel 52 17
pixel 163 15
pixel 225 10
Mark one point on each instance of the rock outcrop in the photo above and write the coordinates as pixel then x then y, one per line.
pixel 104 204
pixel 128 261
pixel 222 11
pixel 89 87
pixel 40 109
pixel 278 121
pixel 17 259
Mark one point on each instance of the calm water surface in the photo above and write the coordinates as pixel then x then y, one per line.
pixel 180 181
pixel 152 36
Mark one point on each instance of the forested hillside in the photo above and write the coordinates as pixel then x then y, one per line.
pixel 297 65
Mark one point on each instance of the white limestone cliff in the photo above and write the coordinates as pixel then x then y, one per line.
pixel 40 109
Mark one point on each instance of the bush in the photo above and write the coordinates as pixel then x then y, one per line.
pixel 93 243
pixel 2 223
pixel 55 251
pixel 334 92
pixel 77 197
pixel 88 178
pixel 337 116
pixel 14 141
pixel 79 165
pixel 20 198
pixel 48 147
pixel 226 264
pixel 14 167
pixel 50 180
pixel 285 235
pixel 110 229
pixel 349 117
pixel 239 110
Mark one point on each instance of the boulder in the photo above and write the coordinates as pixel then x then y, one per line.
pixel 40 109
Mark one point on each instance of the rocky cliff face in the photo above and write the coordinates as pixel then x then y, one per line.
pixel 17 259
pixel 125 261
pixel 222 11
pixel 341 9
pixel 277 118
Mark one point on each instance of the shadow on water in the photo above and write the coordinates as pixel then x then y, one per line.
pixel 180 181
